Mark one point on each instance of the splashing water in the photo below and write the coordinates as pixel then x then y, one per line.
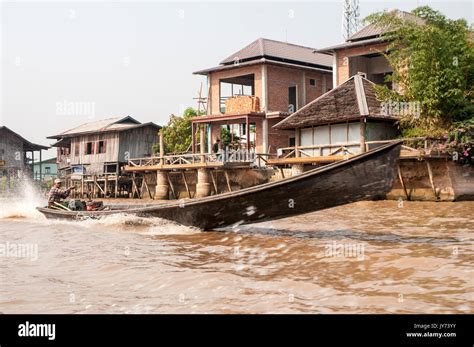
pixel 22 202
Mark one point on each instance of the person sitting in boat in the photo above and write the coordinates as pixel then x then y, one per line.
pixel 56 194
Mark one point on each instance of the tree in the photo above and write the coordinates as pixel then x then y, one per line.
pixel 177 134
pixel 433 62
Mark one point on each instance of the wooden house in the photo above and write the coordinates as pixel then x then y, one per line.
pixel 258 86
pixel 45 170
pixel 16 155
pixel 101 147
pixel 346 120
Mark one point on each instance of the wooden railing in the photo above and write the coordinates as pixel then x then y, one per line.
pixel 302 151
pixel 417 145
pixel 228 156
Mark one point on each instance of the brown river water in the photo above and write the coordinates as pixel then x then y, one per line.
pixel 367 257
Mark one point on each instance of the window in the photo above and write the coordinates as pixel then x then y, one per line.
pixel 47 170
pixel 292 106
pixel 76 149
pixel 89 148
pixel 101 148
pixel 312 82
pixel 64 151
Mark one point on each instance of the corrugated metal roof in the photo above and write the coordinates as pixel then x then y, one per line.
pixel 27 145
pixel 103 125
pixel 271 48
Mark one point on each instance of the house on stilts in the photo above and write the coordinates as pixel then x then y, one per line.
pixel 91 155
pixel 17 156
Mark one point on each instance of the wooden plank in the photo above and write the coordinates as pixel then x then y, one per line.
pixel 116 179
pixel 402 182
pixel 94 190
pixel 106 185
pixel 135 187
pixel 186 184
pixel 430 174
pixel 147 188
pixel 171 186
pixel 214 181
pixel 227 180
pixel 98 186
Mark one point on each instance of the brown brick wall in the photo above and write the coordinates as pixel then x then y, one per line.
pixel 216 76
pixel 280 78
pixel 313 92
pixel 278 138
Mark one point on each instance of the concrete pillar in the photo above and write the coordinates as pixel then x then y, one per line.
pixel 265 136
pixel 297 169
pixel 162 186
pixel 162 148
pixel 203 187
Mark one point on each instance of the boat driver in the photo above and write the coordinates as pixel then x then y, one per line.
pixel 56 194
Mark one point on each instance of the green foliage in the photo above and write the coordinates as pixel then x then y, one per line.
pixel 177 134
pixel 433 61
pixel 226 137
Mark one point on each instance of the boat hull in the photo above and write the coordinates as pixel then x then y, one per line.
pixel 367 176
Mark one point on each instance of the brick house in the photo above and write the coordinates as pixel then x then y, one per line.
pixel 363 53
pixel 258 86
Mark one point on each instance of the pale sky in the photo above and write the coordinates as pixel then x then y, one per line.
pixel 119 58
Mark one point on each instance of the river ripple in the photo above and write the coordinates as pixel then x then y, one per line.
pixel 367 257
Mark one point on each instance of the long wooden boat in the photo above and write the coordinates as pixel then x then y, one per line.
pixel 366 176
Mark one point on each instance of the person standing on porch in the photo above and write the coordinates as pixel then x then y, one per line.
pixel 216 147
